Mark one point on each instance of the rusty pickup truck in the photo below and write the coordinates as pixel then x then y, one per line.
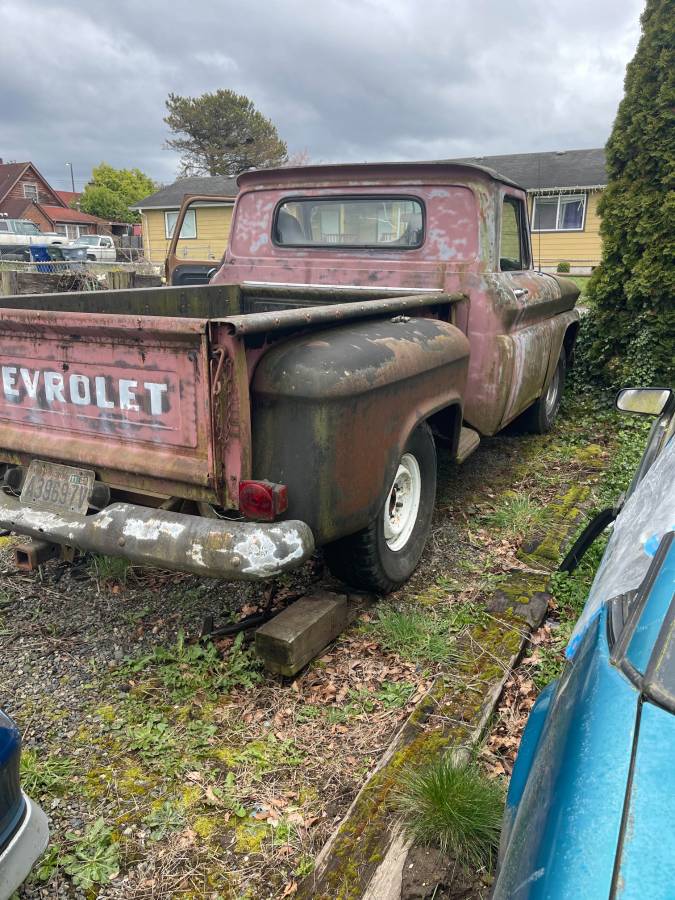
pixel 362 317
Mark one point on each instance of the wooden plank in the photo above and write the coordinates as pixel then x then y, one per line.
pixel 293 638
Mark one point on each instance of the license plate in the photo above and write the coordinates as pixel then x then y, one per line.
pixel 62 488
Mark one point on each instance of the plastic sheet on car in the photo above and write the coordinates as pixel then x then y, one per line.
pixel 648 514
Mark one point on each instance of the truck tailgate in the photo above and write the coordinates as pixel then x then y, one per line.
pixel 126 395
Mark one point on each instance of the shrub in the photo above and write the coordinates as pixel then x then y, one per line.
pixel 634 285
pixel 563 267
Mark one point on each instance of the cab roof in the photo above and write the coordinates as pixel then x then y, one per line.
pixel 369 173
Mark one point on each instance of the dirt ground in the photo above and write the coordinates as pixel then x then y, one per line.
pixel 171 768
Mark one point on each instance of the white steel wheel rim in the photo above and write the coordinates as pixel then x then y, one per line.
pixel 552 392
pixel 403 503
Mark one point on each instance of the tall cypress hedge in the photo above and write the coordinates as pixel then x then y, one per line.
pixel 632 331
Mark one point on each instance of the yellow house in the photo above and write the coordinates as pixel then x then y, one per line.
pixel 563 188
pixel 206 228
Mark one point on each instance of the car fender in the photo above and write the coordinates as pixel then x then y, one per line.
pixel 333 409
pixel 523 764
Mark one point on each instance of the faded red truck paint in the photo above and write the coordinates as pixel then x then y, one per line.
pixel 355 307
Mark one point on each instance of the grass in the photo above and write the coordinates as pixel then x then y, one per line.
pixel 42 774
pixel 454 806
pixel 110 569
pixel 516 514
pixel 414 634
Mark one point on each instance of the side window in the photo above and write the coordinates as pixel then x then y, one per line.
pixel 513 247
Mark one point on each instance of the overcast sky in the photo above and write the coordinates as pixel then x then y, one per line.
pixel 343 79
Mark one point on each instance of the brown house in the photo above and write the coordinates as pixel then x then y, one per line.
pixel 25 194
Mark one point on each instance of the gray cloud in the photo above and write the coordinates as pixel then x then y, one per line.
pixel 346 80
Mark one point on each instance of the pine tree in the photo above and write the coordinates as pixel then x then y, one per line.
pixel 633 289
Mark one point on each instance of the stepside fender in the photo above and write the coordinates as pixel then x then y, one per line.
pixel 333 409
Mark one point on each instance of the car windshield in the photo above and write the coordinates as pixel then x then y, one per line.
pixel 369 222
pixel 89 239
pixel 645 647
pixel 27 228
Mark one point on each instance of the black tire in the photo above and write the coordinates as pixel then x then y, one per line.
pixel 365 559
pixel 539 418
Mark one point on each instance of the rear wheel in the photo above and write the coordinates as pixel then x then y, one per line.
pixel 383 555
pixel 539 418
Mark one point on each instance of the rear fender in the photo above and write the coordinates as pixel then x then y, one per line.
pixel 332 412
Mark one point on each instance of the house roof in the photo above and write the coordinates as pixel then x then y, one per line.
pixel 65 214
pixel 555 169
pixel 172 196
pixel 15 207
pixel 9 174
pixel 69 197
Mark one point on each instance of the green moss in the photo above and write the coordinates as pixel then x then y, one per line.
pixel 190 796
pixel 205 826
pixel 250 836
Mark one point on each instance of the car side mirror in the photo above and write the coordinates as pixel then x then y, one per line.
pixel 643 401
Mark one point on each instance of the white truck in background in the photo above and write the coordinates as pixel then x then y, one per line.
pixel 99 247
pixel 24 232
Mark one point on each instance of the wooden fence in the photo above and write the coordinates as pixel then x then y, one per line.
pixel 12 282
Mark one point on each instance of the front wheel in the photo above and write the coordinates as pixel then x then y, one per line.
pixel 383 555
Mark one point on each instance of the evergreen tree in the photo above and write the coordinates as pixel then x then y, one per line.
pixel 222 134
pixel 632 335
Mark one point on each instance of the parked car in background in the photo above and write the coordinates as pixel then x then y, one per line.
pixel 589 807
pixel 99 247
pixel 23 825
pixel 23 232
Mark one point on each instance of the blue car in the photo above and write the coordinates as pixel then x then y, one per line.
pixel 591 805
pixel 23 825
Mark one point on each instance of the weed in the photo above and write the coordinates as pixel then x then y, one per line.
pixel 186 669
pixel 455 806
pixel 42 775
pixel 166 818
pixel 394 694
pixel 307 713
pixel 517 514
pixel 304 866
pixel 93 857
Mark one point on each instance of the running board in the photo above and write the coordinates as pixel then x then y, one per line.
pixel 468 441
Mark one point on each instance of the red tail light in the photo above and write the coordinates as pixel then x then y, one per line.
pixel 262 500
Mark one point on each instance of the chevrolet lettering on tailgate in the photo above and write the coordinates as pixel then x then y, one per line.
pixel 81 390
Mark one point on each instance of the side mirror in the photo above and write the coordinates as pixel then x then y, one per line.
pixel 643 401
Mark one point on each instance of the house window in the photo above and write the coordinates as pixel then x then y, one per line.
pixel 559 212
pixel 189 229
pixel 30 191
pixel 61 229
pixel 513 243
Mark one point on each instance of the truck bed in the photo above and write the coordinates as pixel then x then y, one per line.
pixel 149 387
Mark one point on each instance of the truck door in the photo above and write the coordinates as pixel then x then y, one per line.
pixel 529 306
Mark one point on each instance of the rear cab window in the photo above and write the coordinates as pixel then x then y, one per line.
pixel 350 222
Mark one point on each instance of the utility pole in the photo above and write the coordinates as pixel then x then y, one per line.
pixel 72 177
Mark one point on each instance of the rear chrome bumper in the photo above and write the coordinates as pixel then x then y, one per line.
pixel 216 548
pixel 24 849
